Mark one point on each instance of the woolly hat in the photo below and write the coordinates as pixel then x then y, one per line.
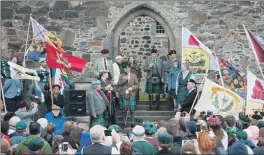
pixel 249 134
pixel 22 125
pixel 22 104
pixel 153 50
pixel 241 135
pixel 256 117
pixel 260 124
pixel 238 148
pixel 214 121
pixel 191 126
pixel 150 128
pixel 35 144
pixel 244 118
pixel 255 133
pixel 43 122
pixel 119 57
pixel 115 127
pixel 164 138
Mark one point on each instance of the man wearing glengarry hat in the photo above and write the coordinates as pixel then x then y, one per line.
pixel 97 106
pixel 155 77
pixel 103 63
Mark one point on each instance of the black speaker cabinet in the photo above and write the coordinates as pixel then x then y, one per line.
pixel 75 103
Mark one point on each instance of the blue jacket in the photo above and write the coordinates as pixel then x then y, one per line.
pixel 12 88
pixel 172 77
pixel 58 122
pixel 17 138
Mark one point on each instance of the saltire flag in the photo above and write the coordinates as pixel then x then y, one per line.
pixel 10 70
pixel 196 53
pixel 219 100
pixel 255 88
pixel 59 76
pixel 59 59
pixel 40 35
pixel 257 44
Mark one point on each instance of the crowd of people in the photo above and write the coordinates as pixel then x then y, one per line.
pixel 204 133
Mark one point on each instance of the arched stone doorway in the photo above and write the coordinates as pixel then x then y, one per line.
pixel 112 39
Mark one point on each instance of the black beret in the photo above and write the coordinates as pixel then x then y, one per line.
pixel 172 52
pixel 153 50
pixel 192 81
pixel 105 51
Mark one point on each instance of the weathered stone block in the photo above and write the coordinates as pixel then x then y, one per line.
pixel 61 6
pixel 95 43
pixel 101 22
pixel 71 14
pixel 198 17
pixel 8 24
pixel 42 11
pixel 24 10
pixel 42 20
pixel 87 57
pixel 123 40
pixel 14 45
pixel 7 13
pixel 56 15
pixel 146 37
pixel 53 27
pixel 67 36
pixel 95 13
pixel 9 4
pixel 245 3
pixel 11 32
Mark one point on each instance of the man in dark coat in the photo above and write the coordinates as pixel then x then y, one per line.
pixel 189 98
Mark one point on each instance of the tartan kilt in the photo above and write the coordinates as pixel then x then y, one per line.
pixel 153 88
pixel 129 104
pixel 181 95
pixel 99 120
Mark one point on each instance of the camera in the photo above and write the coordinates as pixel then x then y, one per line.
pixel 65 146
pixel 107 132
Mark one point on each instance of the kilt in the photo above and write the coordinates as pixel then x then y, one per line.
pixel 181 95
pixel 99 120
pixel 129 104
pixel 153 88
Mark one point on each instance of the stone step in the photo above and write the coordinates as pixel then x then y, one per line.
pixel 148 102
pixel 146 107
pixel 146 118
pixel 155 113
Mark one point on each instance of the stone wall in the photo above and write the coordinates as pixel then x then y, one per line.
pixel 87 28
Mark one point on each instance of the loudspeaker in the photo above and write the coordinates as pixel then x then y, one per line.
pixel 75 103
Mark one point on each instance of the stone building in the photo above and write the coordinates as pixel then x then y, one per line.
pixel 133 28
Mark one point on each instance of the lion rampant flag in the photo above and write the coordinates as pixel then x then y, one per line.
pixel 59 59
pixel 219 100
pixel 196 53
pixel 255 88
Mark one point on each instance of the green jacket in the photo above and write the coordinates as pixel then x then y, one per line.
pixel 22 147
pixel 145 147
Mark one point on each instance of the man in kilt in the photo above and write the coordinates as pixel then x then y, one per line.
pixel 181 83
pixel 98 105
pixel 154 68
pixel 129 86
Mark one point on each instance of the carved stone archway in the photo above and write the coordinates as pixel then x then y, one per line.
pixel 111 40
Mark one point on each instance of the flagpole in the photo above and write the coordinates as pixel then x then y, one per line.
pixel 3 96
pixel 253 49
pixel 24 61
pixel 52 102
pixel 199 90
pixel 221 77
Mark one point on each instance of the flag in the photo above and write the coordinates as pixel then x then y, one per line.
pixel 219 100
pixel 255 88
pixel 196 53
pixel 59 59
pixel 233 77
pixel 257 44
pixel 58 79
pixel 40 36
pixel 11 70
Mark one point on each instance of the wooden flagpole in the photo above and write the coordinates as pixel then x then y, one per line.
pixel 253 49
pixel 199 90
pixel 24 61
pixel 51 94
pixel 3 95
